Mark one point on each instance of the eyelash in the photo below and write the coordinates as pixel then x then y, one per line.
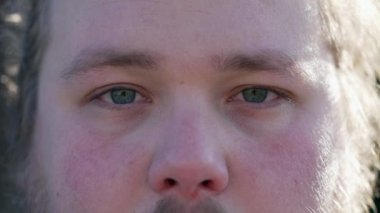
pixel 282 95
pixel 140 93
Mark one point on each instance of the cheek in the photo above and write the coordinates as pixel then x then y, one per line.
pixel 86 168
pixel 283 155
pixel 90 167
pixel 282 165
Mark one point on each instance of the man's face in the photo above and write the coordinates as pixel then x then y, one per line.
pixel 186 106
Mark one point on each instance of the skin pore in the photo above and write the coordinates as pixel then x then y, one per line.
pixel 172 106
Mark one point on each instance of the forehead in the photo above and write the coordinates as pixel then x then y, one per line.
pixel 186 28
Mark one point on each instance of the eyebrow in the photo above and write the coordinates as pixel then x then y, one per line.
pixel 262 61
pixel 91 59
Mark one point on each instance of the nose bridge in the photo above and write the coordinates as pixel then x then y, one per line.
pixel 189 160
pixel 189 143
pixel 191 118
pixel 192 132
pixel 189 127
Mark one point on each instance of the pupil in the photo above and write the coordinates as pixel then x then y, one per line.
pixel 123 96
pixel 255 95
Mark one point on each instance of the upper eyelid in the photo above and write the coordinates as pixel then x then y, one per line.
pixel 98 92
pixel 115 88
pixel 282 96
pixel 278 91
pixel 241 91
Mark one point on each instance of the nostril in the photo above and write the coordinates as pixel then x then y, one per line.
pixel 206 184
pixel 170 182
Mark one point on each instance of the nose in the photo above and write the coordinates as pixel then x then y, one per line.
pixel 189 162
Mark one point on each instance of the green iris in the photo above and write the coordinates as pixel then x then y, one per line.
pixel 255 95
pixel 123 96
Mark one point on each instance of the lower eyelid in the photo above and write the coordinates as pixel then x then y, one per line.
pixel 276 98
pixel 136 105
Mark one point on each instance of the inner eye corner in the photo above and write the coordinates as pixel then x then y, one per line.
pixel 229 99
pixel 148 100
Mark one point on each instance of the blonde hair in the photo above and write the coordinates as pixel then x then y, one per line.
pixel 352 30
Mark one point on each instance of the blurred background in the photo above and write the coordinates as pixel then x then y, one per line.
pixel 12 20
pixel 11 29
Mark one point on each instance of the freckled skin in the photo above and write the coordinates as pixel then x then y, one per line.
pixel 190 123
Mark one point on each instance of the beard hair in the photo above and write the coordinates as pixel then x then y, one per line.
pixel 343 188
pixel 34 184
pixel 342 191
pixel 171 205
